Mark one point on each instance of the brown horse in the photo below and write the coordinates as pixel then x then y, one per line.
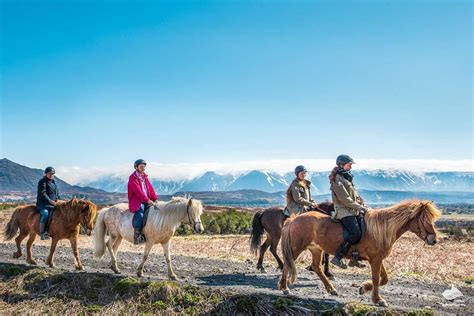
pixel 317 233
pixel 270 221
pixel 65 224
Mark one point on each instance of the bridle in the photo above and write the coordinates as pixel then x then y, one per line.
pixel 422 233
pixel 191 220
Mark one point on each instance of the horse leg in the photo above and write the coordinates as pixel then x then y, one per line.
pixel 117 242
pixel 29 245
pixel 166 250
pixel 148 247
pixel 18 241
pixel 368 286
pixel 327 273
pixel 50 260
pixel 75 251
pixel 113 259
pixel 283 284
pixel 317 257
pixel 263 249
pixel 273 250
pixel 376 267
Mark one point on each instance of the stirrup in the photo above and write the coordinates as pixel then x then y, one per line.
pixel 356 256
pixel 139 239
pixel 45 236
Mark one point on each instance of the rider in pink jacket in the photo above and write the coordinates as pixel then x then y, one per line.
pixel 141 196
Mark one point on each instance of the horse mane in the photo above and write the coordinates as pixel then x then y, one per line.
pixel 383 224
pixel 71 209
pixel 169 214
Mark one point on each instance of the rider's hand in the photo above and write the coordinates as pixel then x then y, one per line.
pixel 363 210
pixel 315 205
pixel 54 203
pixel 150 202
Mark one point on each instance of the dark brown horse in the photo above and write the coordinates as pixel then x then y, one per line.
pixel 270 221
pixel 315 232
pixel 65 224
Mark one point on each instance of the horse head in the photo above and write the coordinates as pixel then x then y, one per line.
pixel 194 211
pixel 423 221
pixel 88 211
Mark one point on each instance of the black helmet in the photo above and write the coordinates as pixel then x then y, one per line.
pixel 139 162
pixel 343 159
pixel 49 169
pixel 299 169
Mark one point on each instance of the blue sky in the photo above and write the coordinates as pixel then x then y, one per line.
pixel 100 83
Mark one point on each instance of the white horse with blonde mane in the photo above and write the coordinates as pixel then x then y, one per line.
pixel 163 220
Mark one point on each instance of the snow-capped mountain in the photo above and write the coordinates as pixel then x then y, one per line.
pixel 382 180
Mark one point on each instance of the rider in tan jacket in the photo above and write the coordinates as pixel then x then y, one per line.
pixel 348 205
pixel 298 195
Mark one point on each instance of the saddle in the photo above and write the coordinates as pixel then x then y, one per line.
pixel 345 234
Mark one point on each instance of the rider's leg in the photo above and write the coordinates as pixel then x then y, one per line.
pixel 44 214
pixel 352 226
pixel 138 225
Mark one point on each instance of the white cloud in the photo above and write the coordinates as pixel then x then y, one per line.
pixel 178 171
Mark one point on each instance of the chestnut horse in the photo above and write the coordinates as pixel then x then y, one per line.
pixel 317 233
pixel 270 221
pixel 65 223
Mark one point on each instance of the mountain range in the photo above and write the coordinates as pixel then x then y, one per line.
pixel 18 183
pixel 380 180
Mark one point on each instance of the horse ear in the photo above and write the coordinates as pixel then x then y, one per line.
pixel 190 201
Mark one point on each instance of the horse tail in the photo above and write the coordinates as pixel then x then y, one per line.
pixel 12 227
pixel 257 232
pixel 99 235
pixel 287 252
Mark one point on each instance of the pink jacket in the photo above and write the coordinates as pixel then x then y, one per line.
pixel 136 196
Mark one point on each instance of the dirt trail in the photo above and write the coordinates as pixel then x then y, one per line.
pixel 401 292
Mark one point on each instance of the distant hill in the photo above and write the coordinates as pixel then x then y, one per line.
pixel 260 198
pixel 18 182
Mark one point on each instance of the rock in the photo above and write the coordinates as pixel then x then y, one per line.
pixel 452 294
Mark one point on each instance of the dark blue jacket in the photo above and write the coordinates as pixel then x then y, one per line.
pixel 47 192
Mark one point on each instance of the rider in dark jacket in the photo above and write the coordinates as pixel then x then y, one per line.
pixel 46 199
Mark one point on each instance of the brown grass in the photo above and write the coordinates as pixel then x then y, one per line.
pixel 450 260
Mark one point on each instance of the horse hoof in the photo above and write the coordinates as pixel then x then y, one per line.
pixel 173 278
pixel 382 303
pixel 115 269
pixel 79 268
pixel 16 255
pixel 139 274
pixel 361 290
pixel 32 262
pixel 286 292
pixel 334 292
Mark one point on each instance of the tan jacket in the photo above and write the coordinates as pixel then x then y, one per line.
pixel 346 199
pixel 298 197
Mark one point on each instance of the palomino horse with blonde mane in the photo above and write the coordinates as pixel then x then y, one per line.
pixel 163 219
pixel 65 223
pixel 317 233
